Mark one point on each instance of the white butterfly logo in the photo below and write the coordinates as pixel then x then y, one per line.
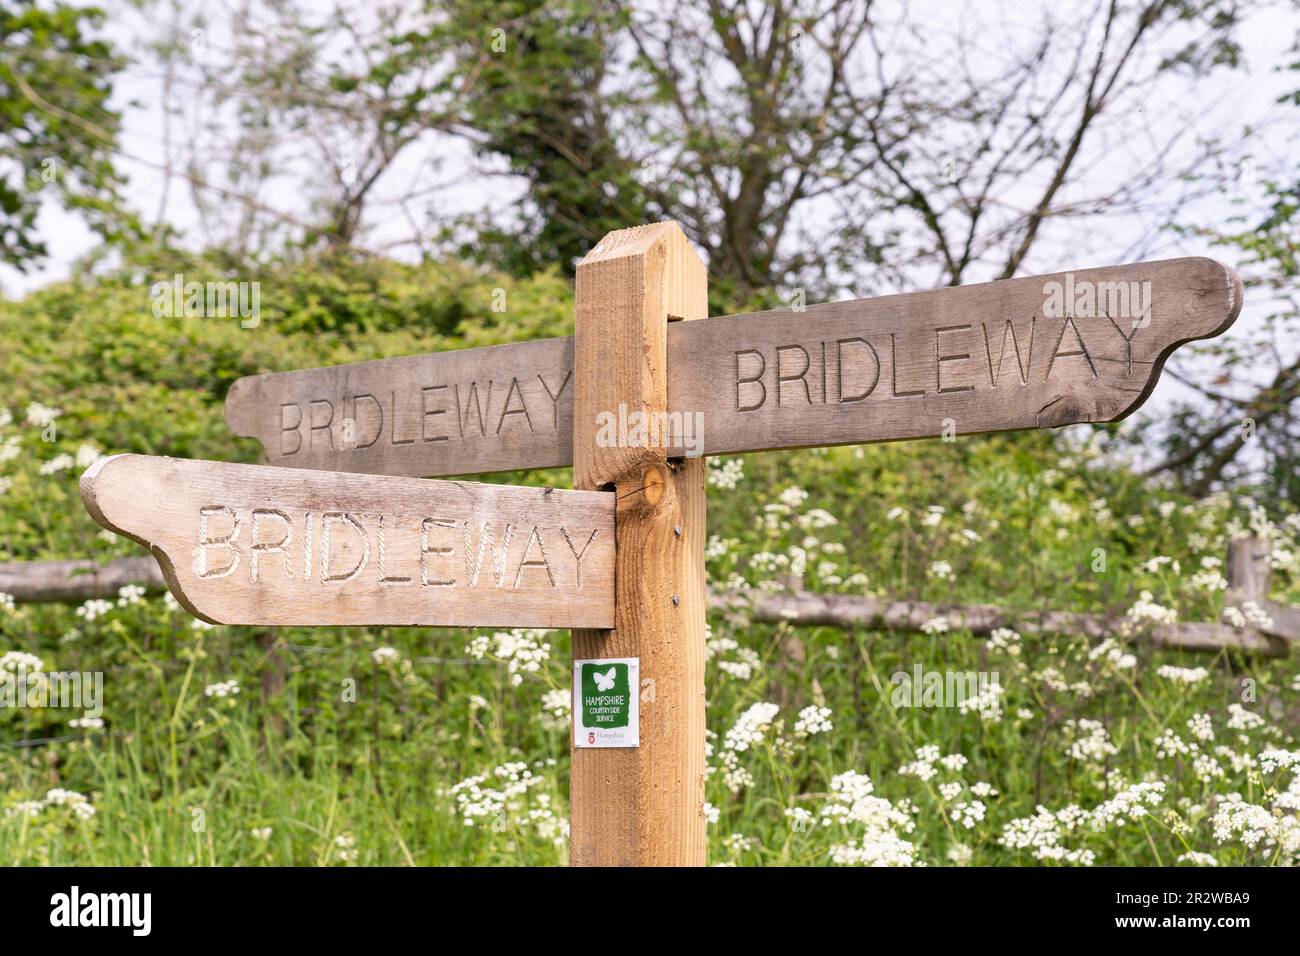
pixel 604 681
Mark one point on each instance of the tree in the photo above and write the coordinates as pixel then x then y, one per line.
pixel 57 133
pixel 1241 427
pixel 836 145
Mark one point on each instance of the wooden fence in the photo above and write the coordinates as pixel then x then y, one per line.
pixel 1247 573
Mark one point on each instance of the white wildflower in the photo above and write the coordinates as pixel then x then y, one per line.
pixel 813 720
pixel 225 688
pixel 385 655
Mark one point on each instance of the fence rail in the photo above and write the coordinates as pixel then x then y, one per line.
pixel 1247 572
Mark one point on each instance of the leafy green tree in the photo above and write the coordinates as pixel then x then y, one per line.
pixel 1240 426
pixel 537 99
pixel 57 133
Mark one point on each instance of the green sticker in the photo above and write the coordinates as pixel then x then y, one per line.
pixel 606 697
pixel 605 712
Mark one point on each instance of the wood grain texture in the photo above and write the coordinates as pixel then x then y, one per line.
pixel 643 806
pixel 852 612
pixel 472 411
pixel 976 358
pixel 77 580
pixel 41 581
pixel 1019 353
pixel 249 544
pixel 1249 572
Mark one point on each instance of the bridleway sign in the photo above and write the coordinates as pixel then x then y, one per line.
pixel 644 388
pixel 251 544
pixel 1036 352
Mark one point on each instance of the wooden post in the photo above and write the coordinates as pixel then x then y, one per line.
pixel 642 806
pixel 274 672
pixel 1248 570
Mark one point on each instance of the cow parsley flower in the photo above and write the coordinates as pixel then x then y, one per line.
pixel 498 794
pixel 1062 511
pixel 883 824
pixel 345 845
pixel 95 607
pixel 737 843
pixel 1255 615
pixel 1110 653
pixel 557 707
pixel 1182 675
pixel 813 720
pixel 41 415
pixel 523 651
pixel 987 702
pixel 922 767
pixel 225 688
pixel 15 661
pixel 800 819
pixel 954 762
pixel 816 519
pixel 941 570
pixel 935 625
pixel 385 655
pixel 959 854
pixel 1207 580
pixel 1128 805
pixel 1088 741
pixel 1248 822
pixel 1154 565
pixel 969 813
pixel 78 803
pixel 1004 639
pixel 1239 718
pixel 129 594
pixel 87 455
pixel 1201 727
pixel 793 497
pixel 58 463
pixel 1146 611
pixel 1271 760
pixel 746 661
pixel 725 473
pixel 750 726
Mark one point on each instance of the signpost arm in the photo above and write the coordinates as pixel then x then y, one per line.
pixel 642 806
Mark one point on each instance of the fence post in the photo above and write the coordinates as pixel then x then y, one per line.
pixel 274 672
pixel 642 806
pixel 1248 570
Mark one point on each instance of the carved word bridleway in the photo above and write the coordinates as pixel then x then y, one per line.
pixel 248 544
pixel 1083 346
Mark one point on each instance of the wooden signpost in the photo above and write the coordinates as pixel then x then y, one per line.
pixel 644 388
pixel 250 544
pixel 1037 352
